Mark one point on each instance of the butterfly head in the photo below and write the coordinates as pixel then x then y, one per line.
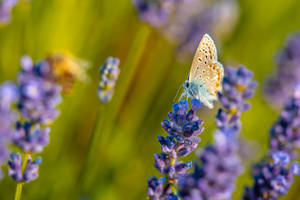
pixel 186 85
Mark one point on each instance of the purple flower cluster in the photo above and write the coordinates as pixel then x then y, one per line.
pixel 183 128
pixel 185 22
pixel 5 10
pixel 39 92
pixel 279 87
pixel 16 164
pixel 285 133
pixel 109 73
pixel 238 86
pixel 8 95
pixel 272 176
pixel 156 189
pixel 214 176
pixel 30 138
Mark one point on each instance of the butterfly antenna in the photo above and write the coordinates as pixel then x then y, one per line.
pixel 177 93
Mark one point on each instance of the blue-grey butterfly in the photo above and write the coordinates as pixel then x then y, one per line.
pixel 206 74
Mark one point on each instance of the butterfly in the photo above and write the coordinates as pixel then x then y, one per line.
pixel 206 74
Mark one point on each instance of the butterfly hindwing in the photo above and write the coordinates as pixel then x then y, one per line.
pixel 215 74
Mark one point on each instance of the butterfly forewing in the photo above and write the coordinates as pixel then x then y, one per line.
pixel 205 67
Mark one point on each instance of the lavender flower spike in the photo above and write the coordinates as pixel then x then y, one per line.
pixel 183 128
pixel 15 168
pixel 219 164
pixel 238 86
pixel 109 75
pixel 215 177
pixel 273 177
pixel 285 133
pixel 279 87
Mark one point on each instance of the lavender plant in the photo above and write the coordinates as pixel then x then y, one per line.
pixel 109 72
pixel 273 175
pixel 214 176
pixel 279 87
pixel 185 22
pixel 39 94
pixel 36 95
pixel 183 128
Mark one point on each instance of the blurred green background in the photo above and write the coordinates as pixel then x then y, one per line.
pixel 126 128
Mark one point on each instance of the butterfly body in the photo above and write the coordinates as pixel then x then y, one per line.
pixel 206 74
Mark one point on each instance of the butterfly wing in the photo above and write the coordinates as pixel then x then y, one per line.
pixel 205 68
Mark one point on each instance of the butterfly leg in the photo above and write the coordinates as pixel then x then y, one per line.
pixel 182 95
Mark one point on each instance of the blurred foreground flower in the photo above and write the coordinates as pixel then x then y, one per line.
pixel 109 73
pixel 37 96
pixel 5 10
pixel 183 128
pixel 214 177
pixel 273 176
pixel 285 133
pixel 279 87
pixel 185 21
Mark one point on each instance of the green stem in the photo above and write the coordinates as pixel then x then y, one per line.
pixel 130 65
pixel 18 191
pixel 92 141
pixel 19 188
